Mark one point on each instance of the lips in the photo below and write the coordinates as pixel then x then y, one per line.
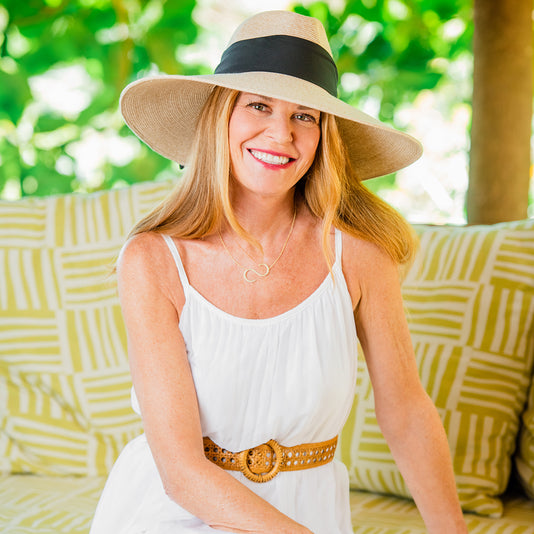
pixel 269 158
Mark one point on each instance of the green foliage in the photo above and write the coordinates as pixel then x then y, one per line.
pixel 63 64
pixel 389 51
pixel 85 51
pixel 396 48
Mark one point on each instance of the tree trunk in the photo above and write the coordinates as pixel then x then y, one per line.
pixel 499 172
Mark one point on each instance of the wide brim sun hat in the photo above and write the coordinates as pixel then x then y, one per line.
pixel 278 54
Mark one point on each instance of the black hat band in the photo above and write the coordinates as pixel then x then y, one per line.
pixel 283 54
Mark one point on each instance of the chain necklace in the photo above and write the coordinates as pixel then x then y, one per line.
pixel 262 270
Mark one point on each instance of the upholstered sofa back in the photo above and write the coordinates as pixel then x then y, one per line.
pixel 64 377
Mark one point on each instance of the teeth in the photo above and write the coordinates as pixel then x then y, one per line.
pixel 269 158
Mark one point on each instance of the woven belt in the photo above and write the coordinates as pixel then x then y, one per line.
pixel 264 462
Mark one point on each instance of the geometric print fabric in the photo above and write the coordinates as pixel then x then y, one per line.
pixel 65 382
pixel 48 504
pixel 469 299
pixel 381 514
pixel 64 376
pixel 65 505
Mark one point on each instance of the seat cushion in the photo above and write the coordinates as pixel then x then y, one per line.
pixel 383 514
pixel 48 504
pixel 65 505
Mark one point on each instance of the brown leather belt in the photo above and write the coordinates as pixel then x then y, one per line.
pixel 264 462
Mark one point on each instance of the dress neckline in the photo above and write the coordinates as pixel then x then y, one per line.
pixel 262 320
pixel 332 279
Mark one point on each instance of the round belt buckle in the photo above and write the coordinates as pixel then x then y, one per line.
pixel 273 471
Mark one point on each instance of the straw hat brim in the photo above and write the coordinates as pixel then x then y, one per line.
pixel 163 112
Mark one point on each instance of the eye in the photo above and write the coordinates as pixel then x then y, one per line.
pixel 257 106
pixel 306 117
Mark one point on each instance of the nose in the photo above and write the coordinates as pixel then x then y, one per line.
pixel 280 128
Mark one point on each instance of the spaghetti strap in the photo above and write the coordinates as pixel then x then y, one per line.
pixel 177 260
pixel 338 245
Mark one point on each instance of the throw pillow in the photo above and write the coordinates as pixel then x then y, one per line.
pixel 469 298
pixel 64 377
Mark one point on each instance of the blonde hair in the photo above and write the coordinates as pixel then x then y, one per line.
pixel 201 199
pixel 335 194
pixel 331 189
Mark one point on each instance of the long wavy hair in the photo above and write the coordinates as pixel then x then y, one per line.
pixel 331 189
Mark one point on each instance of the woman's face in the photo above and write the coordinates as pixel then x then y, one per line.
pixel 272 143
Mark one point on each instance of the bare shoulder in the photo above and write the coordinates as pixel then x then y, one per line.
pixel 141 253
pixel 146 264
pixel 365 254
pixel 366 264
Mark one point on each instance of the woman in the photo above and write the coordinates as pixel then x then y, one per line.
pixel 245 292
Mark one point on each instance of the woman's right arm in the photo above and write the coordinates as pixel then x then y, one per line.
pixel 165 389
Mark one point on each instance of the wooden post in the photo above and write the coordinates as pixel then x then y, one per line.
pixel 499 172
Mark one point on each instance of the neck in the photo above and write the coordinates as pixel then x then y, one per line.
pixel 265 218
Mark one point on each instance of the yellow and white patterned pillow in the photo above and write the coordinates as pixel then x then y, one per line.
pixel 470 306
pixel 524 458
pixel 64 377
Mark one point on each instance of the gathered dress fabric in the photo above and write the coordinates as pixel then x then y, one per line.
pixel 290 377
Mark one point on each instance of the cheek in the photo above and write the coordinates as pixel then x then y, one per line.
pixel 234 142
pixel 232 133
pixel 312 143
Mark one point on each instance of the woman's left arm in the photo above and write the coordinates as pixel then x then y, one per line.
pixel 406 414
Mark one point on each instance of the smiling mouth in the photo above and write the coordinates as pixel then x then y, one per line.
pixel 271 159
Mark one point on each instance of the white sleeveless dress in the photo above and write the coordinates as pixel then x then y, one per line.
pixel 290 378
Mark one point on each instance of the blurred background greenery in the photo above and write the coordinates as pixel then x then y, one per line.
pixel 63 64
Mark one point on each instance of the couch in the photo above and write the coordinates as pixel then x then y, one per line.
pixel 65 385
